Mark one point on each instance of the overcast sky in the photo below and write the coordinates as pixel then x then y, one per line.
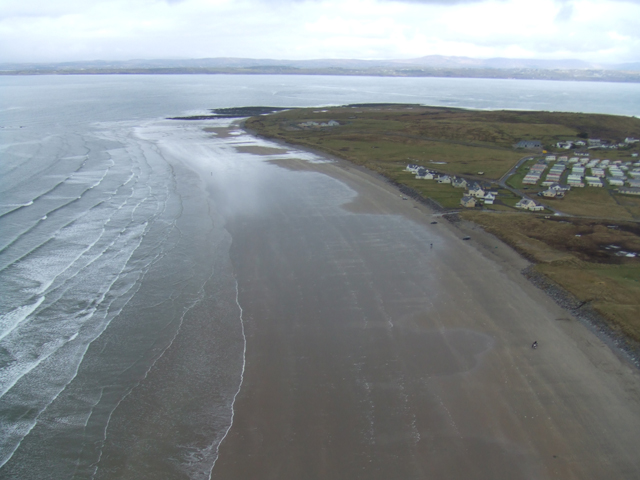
pixel 64 30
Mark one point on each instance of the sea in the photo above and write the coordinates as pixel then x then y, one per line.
pixel 113 252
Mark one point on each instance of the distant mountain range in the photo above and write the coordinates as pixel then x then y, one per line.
pixel 430 66
pixel 431 61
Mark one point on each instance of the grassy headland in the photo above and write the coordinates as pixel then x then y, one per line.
pixel 581 251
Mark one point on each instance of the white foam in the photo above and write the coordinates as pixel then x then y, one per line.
pixel 9 321
pixel 244 364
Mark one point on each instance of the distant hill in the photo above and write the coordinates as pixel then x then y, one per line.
pixel 431 61
pixel 430 66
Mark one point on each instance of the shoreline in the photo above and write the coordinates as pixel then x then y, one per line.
pixel 620 344
pixel 371 355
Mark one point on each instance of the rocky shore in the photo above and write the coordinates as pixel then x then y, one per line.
pixel 586 314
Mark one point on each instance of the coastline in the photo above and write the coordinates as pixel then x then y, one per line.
pixel 372 355
pixel 624 347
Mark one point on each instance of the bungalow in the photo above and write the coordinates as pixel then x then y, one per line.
pixel 550 193
pixel 412 167
pixel 444 179
pixel 564 145
pixel 468 201
pixel 527 204
pixel 529 144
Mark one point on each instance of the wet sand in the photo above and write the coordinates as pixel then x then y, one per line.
pixel 372 355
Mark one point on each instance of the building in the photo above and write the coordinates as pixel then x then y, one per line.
pixel 476 191
pixel 468 201
pixel 529 144
pixel 527 204
pixel 629 191
pixel 458 182
pixel 593 181
pixel 489 198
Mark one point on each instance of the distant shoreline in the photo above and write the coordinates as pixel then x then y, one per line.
pixel 616 76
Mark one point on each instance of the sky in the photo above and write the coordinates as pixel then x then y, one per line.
pixel 601 31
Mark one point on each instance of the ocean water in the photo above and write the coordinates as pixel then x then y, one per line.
pixel 114 257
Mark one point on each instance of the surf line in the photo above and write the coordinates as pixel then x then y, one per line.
pixel 244 363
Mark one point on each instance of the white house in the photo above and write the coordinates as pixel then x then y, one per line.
pixel 593 181
pixel 424 174
pixel 444 179
pixel 489 198
pixel 527 204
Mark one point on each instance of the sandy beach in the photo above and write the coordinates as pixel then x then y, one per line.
pixel 382 346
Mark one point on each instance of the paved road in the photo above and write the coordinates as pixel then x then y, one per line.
pixel 503 183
